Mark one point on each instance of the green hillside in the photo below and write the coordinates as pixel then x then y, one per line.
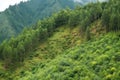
pixel 79 44
pixel 48 50
pixel 14 19
pixel 94 60
pixel 65 55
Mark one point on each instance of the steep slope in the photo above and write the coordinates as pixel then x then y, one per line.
pixel 71 45
pixel 63 38
pixel 96 59
pixel 93 60
pixel 15 18
pixel 66 56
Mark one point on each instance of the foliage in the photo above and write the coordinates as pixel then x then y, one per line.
pixel 16 48
pixel 20 16
pixel 111 16
pixel 91 60
pixel 97 59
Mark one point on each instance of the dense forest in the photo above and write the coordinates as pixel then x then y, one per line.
pixel 97 56
pixel 17 17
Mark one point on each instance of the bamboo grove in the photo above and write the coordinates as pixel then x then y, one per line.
pixel 16 49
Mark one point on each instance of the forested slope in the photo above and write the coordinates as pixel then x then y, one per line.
pixel 15 18
pixel 93 60
pixel 73 44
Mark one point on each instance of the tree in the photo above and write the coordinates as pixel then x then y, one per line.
pixel 114 22
pixel 7 55
pixel 111 16
pixel 88 36
pixel 61 18
pixel 74 18
pixel 21 51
